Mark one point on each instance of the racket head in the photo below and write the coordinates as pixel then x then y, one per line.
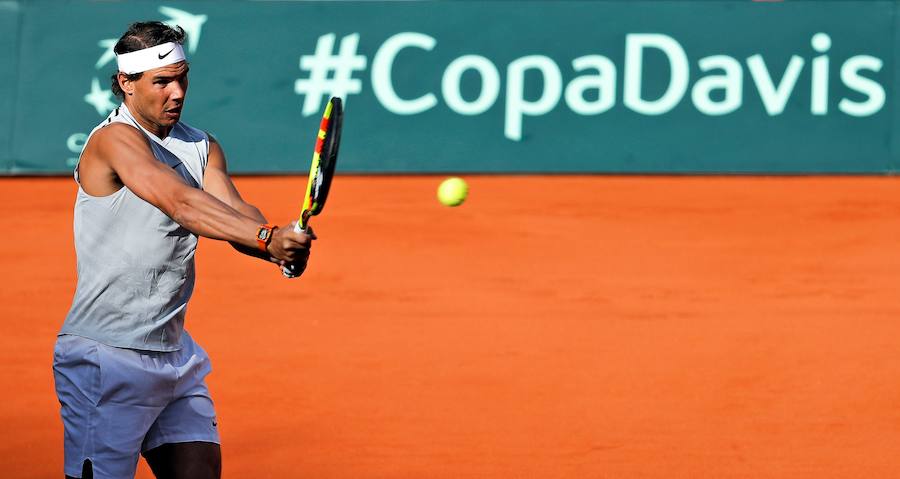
pixel 324 161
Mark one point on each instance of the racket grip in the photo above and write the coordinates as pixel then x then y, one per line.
pixel 290 271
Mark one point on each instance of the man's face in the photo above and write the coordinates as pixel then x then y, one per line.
pixel 157 97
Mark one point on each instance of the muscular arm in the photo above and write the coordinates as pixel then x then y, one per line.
pixel 217 182
pixel 120 155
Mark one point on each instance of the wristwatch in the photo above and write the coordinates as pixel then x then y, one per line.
pixel 264 236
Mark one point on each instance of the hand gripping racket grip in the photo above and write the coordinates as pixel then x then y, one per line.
pixel 290 271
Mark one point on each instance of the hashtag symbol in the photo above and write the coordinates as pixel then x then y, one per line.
pixel 344 64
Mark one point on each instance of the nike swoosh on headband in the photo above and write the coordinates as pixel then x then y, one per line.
pixel 149 58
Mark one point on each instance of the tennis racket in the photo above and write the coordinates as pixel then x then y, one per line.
pixel 321 171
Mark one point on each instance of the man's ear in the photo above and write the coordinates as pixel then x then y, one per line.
pixel 125 84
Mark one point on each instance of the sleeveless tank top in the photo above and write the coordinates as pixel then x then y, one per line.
pixel 135 264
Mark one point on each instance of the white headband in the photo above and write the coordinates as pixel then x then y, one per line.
pixel 150 58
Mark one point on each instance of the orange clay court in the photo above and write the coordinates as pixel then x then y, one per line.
pixel 551 327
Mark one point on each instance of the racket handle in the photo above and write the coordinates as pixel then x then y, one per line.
pixel 290 271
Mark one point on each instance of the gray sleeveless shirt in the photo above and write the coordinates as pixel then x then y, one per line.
pixel 135 264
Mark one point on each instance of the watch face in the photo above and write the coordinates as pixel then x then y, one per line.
pixel 263 234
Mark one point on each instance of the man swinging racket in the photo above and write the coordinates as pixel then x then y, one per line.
pixel 129 378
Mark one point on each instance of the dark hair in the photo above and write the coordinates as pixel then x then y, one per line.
pixel 141 35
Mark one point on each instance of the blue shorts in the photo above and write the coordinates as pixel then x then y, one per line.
pixel 117 403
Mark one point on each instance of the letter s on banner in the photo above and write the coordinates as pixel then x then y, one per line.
pixel 872 89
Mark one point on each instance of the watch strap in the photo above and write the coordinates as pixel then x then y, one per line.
pixel 264 237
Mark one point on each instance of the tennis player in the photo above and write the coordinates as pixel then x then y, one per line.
pixel 129 378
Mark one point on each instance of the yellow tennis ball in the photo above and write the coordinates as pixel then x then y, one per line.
pixel 452 191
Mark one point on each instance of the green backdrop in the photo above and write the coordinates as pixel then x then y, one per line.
pixel 466 86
